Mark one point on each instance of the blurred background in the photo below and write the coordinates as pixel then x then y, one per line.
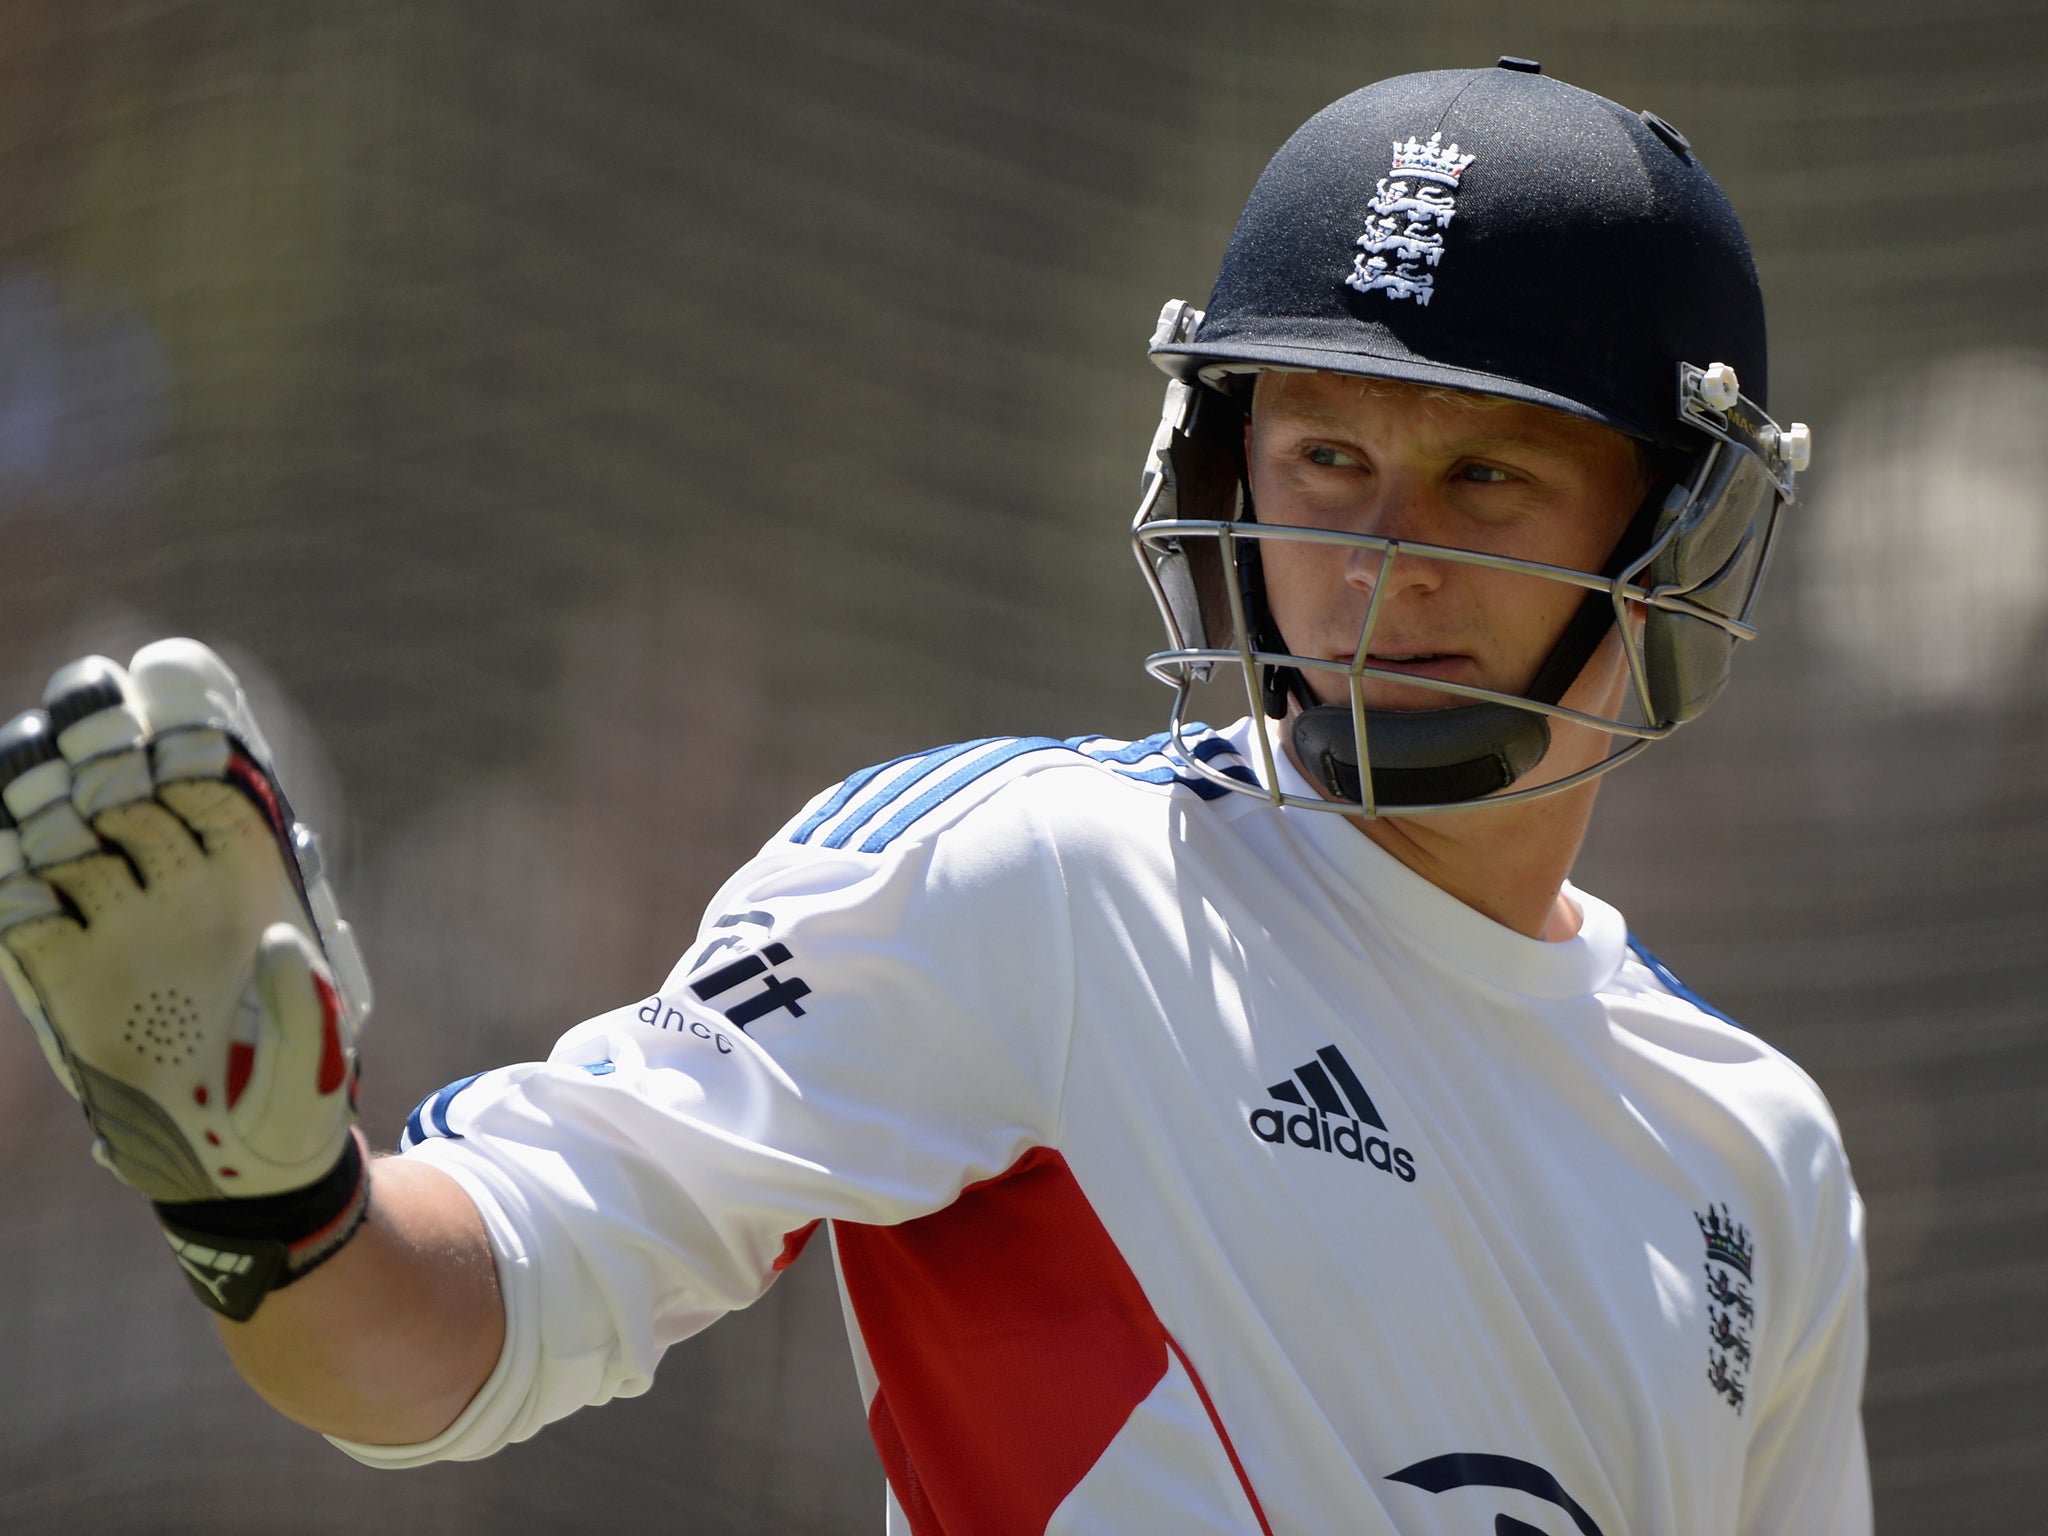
pixel 592 428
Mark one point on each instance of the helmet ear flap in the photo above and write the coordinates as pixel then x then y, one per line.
pixel 1200 459
pixel 1710 548
pixel 1210 455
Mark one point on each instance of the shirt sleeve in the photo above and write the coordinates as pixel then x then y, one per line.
pixel 853 1036
pixel 1807 1466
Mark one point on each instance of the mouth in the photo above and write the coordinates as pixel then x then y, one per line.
pixel 1417 663
pixel 1382 691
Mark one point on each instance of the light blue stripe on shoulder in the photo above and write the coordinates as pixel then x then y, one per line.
pixel 927 764
pixel 1205 747
pixel 1153 760
pixel 853 785
pixel 1135 752
pixel 956 781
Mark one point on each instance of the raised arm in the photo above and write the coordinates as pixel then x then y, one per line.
pixel 389 1341
pixel 168 932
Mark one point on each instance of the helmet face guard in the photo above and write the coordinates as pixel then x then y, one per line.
pixel 1679 603
pixel 1559 250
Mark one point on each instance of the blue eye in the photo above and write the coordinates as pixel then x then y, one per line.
pixel 1329 458
pixel 1484 474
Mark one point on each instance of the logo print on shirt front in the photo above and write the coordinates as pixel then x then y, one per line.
pixel 1730 1310
pixel 1332 1117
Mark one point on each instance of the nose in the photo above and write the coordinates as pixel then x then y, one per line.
pixel 1398 510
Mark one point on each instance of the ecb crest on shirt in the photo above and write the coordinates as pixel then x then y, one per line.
pixel 1731 1312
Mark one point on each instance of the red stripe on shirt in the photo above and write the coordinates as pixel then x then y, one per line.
pixel 1010 1342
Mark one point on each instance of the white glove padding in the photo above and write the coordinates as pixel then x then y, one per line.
pixel 169 933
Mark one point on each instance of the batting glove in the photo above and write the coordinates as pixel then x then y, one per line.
pixel 167 929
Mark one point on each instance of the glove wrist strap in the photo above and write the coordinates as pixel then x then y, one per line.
pixel 236 1252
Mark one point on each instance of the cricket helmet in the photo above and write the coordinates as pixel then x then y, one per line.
pixel 1497 232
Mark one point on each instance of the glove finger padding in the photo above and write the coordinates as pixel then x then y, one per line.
pixel 169 933
pixel 197 711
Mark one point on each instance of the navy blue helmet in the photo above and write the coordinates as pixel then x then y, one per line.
pixel 1502 233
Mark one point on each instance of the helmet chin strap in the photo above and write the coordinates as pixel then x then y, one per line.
pixel 1420 757
pixel 1435 756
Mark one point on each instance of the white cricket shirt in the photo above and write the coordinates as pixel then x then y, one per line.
pixel 1190 1165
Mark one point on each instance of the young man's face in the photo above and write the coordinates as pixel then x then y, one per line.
pixel 1466 471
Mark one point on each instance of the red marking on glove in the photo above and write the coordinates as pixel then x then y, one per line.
pixel 212 1140
pixel 244 773
pixel 230 1173
pixel 199 1095
pixel 241 1062
pixel 333 1065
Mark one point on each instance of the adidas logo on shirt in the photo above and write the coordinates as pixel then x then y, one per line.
pixel 1332 1117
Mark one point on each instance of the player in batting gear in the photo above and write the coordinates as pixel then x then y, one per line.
pixel 1187 1160
pixel 167 929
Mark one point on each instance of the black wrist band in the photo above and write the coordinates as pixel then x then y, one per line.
pixel 236 1252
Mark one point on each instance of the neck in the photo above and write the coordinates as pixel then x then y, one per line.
pixel 1507 862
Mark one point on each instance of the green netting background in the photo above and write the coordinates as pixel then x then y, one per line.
pixel 594 427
